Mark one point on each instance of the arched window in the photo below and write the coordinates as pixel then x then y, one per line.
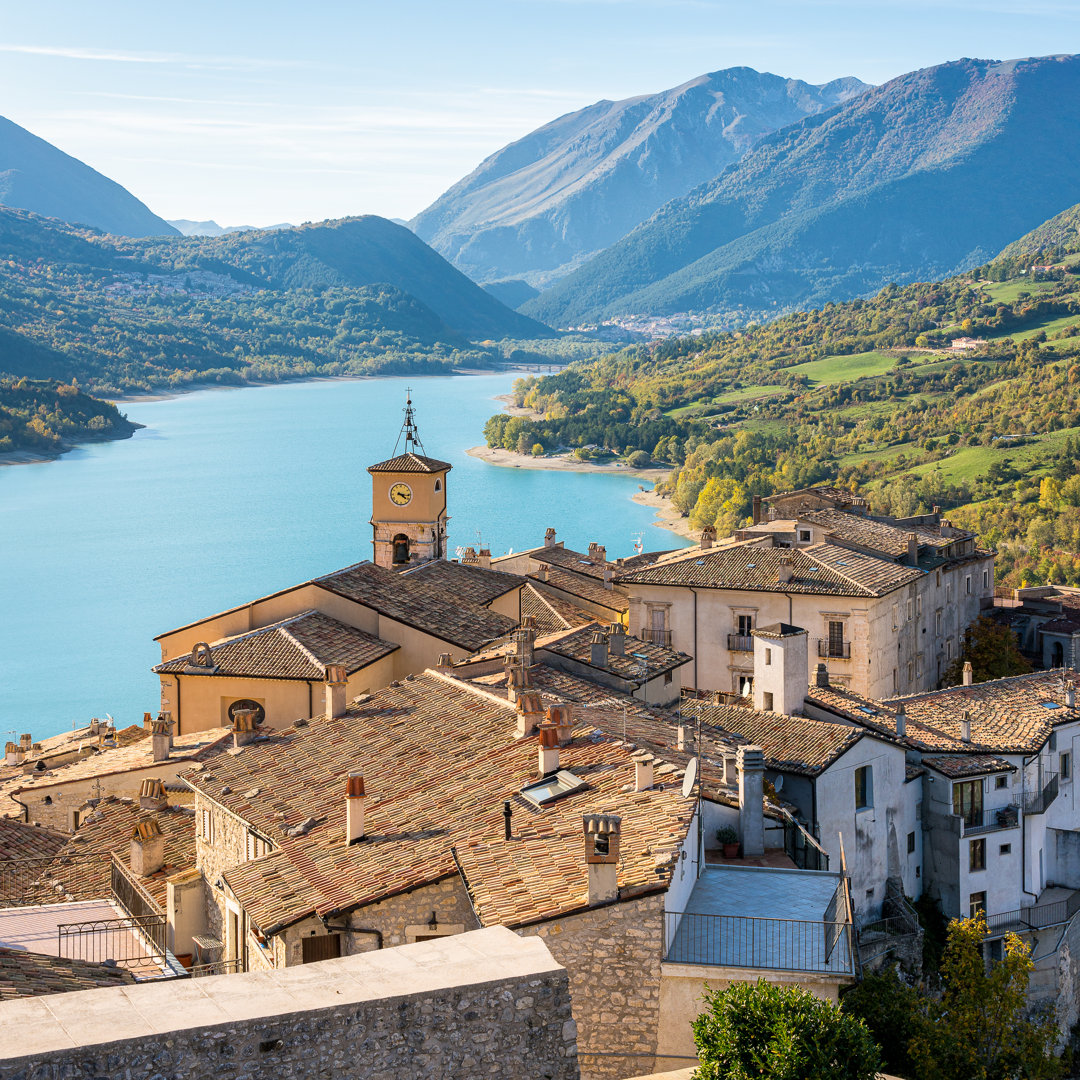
pixel 401 549
pixel 438 485
pixel 1057 654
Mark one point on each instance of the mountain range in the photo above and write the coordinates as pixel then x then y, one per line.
pixel 36 176
pixel 544 204
pixel 187 227
pixel 927 175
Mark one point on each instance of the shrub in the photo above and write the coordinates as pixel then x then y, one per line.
pixel 638 459
pixel 893 1012
pixel 780 1033
pixel 537 450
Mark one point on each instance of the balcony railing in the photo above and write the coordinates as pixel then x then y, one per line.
pixel 1036 802
pixel 1001 817
pixel 801 848
pixel 767 944
pixel 1034 917
pixel 129 894
pixel 835 650
pixel 135 944
pixel 657 637
pixel 740 643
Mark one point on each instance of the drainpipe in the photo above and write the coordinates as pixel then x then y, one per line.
pixel 25 808
pixel 696 683
pixel 1023 830
pixel 347 929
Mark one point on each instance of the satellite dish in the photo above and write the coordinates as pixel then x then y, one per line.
pixel 778 783
pixel 689 778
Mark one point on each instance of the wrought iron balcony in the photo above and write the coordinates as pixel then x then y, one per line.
pixel 836 650
pixel 657 637
pixel 740 643
pixel 1037 802
pixel 1001 817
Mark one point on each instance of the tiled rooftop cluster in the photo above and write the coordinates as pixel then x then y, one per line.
pixel 550 614
pixel 28 974
pixel 577 645
pixel 439 759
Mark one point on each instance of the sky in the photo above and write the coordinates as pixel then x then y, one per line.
pixel 254 113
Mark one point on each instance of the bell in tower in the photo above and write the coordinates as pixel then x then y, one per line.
pixel 408 501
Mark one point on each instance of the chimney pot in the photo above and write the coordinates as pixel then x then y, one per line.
pixel 969 673
pixel 355 798
pixel 147 721
pixel 965 727
pixel 549 538
pixel 643 771
pixel 1070 696
pixel 598 653
pixel 786 570
pixel 821 676
pixel 901 720
pixel 542 572
pixel 602 838
pixel 160 739
pixel 548 758
pixel 617 639
pixel 243 726
pixel 530 711
pixel 562 716
pixel 147 853
pixel 609 578
pixel 708 537
pixel 680 741
pixel 336 691
pixel 750 761
pixel 446 661
pixel 912 549
pixel 152 794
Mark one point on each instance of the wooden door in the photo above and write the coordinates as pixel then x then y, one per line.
pixel 326 947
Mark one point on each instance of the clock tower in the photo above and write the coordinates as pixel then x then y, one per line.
pixel 408 502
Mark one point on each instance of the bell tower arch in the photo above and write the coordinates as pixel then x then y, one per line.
pixel 408 501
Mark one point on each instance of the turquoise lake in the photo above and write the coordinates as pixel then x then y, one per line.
pixel 230 494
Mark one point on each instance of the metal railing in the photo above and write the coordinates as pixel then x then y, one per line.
pixel 59 880
pixel 657 637
pixel 768 944
pixel 740 642
pixel 132 943
pixel 129 893
pixel 1036 802
pixel 1034 917
pixel 1001 817
pixel 214 967
pixel 801 848
pixel 836 650
pixel 879 938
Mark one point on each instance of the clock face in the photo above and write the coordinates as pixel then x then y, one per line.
pixel 401 494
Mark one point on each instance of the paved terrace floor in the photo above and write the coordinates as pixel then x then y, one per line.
pixel 37 929
pixel 762 918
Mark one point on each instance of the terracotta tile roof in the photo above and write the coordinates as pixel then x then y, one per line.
pixel 837 495
pixel 822 569
pixel 1065 624
pixel 429 608
pixel 550 613
pixel 299 647
pixel 411 463
pixel 27 974
pixel 891 540
pixel 1007 715
pixel 439 759
pixel 790 743
pixel 21 841
pixel 198 746
pixel 107 828
pixel 956 767
pixel 577 645
pixel 474 584
pixel 585 588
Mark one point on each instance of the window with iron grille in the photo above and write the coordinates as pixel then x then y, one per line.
pixel 977 855
pixel 836 638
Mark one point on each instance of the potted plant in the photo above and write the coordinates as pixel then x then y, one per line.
pixel 728 839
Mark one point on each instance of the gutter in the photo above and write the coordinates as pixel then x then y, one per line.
pixel 25 808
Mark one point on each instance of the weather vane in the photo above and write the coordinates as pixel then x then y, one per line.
pixel 408 429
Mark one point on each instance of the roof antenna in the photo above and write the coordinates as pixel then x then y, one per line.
pixel 408 429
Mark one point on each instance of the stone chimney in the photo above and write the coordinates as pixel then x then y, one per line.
pixel 616 636
pixel 147 721
pixel 750 761
pixel 901 720
pixel 166 718
pixel 160 739
pixel 483 559
pixel 530 712
pixel 549 538
pixel 965 727
pixel 1070 695
pixel 912 549
pixel 708 537
pixel 152 794
pixel 757 509
pixel 598 649
pixel 548 762
pixel 336 678
pixel 13 754
pixel 446 662
pixel 243 726
pixel 969 673
pixel 562 716
pixel 26 742
pixel 147 848
pixel 542 572
pixel 731 769
pixel 680 738
pixel 602 836
pixel 609 578
pixel 643 771
pixel 597 552
pixel 787 569
pixel 354 808
pixel 821 676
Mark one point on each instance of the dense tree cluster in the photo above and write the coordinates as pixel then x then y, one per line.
pixel 43 416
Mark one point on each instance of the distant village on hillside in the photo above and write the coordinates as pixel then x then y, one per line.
pixel 528 807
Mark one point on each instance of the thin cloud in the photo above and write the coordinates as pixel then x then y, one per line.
pixel 111 56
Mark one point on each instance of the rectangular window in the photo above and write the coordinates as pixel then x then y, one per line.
pixel 967 585
pixel 910 671
pixel 804 536
pixel 911 843
pixel 986 579
pixel 746 625
pixel 836 638
pixel 1001 782
pixel 918 666
pixel 767 701
pixel 967 801
pixel 918 605
pixel 909 611
pixel 1005 849
pixel 976 903
pixel 895 616
pixel 948 649
pixel 938 581
pixel 864 787
pixel 937 623
pixel 667 678
pixel 768 657
pixel 1065 766
pixel 977 855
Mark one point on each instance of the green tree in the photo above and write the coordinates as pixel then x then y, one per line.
pixel 992 650
pixel 638 459
pixel 780 1033
pixel 537 450
pixel 894 1013
pixel 979 1029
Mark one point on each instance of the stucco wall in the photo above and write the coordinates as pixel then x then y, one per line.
pixel 488 1004
pixel 613 956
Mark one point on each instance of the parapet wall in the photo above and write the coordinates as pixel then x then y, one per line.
pixel 486 1003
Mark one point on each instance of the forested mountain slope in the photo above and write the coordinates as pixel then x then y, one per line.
pixel 543 204
pixel 929 174
pixel 36 176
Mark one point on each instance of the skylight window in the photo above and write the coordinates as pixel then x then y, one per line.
pixel 552 787
pixel 751 566
pixel 1049 704
pixel 868 710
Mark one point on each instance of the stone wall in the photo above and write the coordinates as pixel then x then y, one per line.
pixel 486 1004
pixel 613 955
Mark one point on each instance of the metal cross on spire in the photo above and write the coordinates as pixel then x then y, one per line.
pixel 408 428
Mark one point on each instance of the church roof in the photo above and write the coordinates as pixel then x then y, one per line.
pixel 411 463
